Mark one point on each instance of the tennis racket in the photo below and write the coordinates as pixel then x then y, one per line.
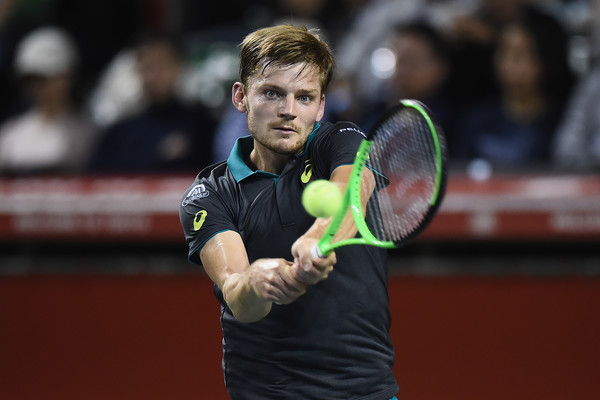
pixel 406 152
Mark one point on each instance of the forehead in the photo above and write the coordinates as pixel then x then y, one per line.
pixel 514 33
pixel 412 42
pixel 303 76
pixel 156 51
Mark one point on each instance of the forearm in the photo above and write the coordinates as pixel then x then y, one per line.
pixel 225 261
pixel 348 228
pixel 311 269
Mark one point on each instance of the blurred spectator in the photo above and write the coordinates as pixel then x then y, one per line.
pixel 100 28
pixel 473 38
pixel 230 127
pixel 341 17
pixel 358 78
pixel 364 64
pixel 312 13
pixel 168 134
pixel 516 127
pixel 118 91
pixel 577 144
pixel 420 72
pixel 594 15
pixel 85 20
pixel 52 136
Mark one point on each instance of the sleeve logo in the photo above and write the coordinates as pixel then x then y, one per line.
pixel 199 219
pixel 197 192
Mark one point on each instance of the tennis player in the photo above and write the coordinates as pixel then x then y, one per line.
pixel 294 326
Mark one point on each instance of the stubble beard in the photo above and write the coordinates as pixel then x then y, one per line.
pixel 272 145
pixel 289 150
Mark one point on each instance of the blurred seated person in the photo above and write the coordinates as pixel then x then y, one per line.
pixel 473 38
pixel 577 144
pixel 516 127
pixel 168 134
pixel 358 46
pixel 421 72
pixel 52 136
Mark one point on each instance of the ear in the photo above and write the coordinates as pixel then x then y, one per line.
pixel 238 96
pixel 321 108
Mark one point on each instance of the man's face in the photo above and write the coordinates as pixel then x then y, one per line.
pixel 159 70
pixel 418 71
pixel 517 64
pixel 282 106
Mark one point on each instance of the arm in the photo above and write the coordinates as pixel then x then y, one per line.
pixel 249 289
pixel 312 270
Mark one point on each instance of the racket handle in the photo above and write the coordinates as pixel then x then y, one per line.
pixel 315 252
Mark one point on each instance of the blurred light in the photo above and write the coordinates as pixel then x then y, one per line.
pixel 579 54
pixel 479 170
pixel 211 94
pixel 383 63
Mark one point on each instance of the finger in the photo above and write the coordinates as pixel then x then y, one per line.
pixel 302 272
pixel 314 275
pixel 322 263
pixel 289 278
pixel 281 295
pixel 284 288
pixel 288 295
pixel 293 292
pixel 304 263
pixel 299 274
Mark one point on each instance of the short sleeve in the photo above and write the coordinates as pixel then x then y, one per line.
pixel 203 213
pixel 337 146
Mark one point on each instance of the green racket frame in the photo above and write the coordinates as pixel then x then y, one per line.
pixel 352 194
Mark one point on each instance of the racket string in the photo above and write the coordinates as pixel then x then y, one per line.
pixel 403 160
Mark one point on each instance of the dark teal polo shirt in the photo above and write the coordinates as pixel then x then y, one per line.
pixel 331 343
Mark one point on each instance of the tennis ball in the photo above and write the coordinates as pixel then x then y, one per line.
pixel 322 198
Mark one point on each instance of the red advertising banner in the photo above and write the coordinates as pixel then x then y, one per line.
pixel 507 207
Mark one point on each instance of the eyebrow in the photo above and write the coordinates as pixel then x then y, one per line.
pixel 278 88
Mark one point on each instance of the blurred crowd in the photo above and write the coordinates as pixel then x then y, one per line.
pixel 119 87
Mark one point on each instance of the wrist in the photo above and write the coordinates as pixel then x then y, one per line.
pixel 242 299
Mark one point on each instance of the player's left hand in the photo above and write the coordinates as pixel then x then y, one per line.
pixel 306 268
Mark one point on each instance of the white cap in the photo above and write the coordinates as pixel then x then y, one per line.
pixel 46 51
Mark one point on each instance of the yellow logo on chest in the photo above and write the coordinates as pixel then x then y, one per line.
pixel 307 173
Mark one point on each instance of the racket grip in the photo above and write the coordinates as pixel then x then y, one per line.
pixel 315 252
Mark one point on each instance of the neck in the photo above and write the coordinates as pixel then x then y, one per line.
pixel 50 109
pixel 266 160
pixel 526 105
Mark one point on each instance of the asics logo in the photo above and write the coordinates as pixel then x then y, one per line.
pixel 199 219
pixel 305 177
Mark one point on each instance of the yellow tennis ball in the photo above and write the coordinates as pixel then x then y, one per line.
pixel 322 198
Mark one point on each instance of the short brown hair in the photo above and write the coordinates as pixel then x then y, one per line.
pixel 285 45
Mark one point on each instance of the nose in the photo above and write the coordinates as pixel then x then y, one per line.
pixel 288 108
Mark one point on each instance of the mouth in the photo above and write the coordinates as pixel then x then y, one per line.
pixel 285 129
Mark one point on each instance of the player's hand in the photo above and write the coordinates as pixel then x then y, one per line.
pixel 309 269
pixel 272 280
